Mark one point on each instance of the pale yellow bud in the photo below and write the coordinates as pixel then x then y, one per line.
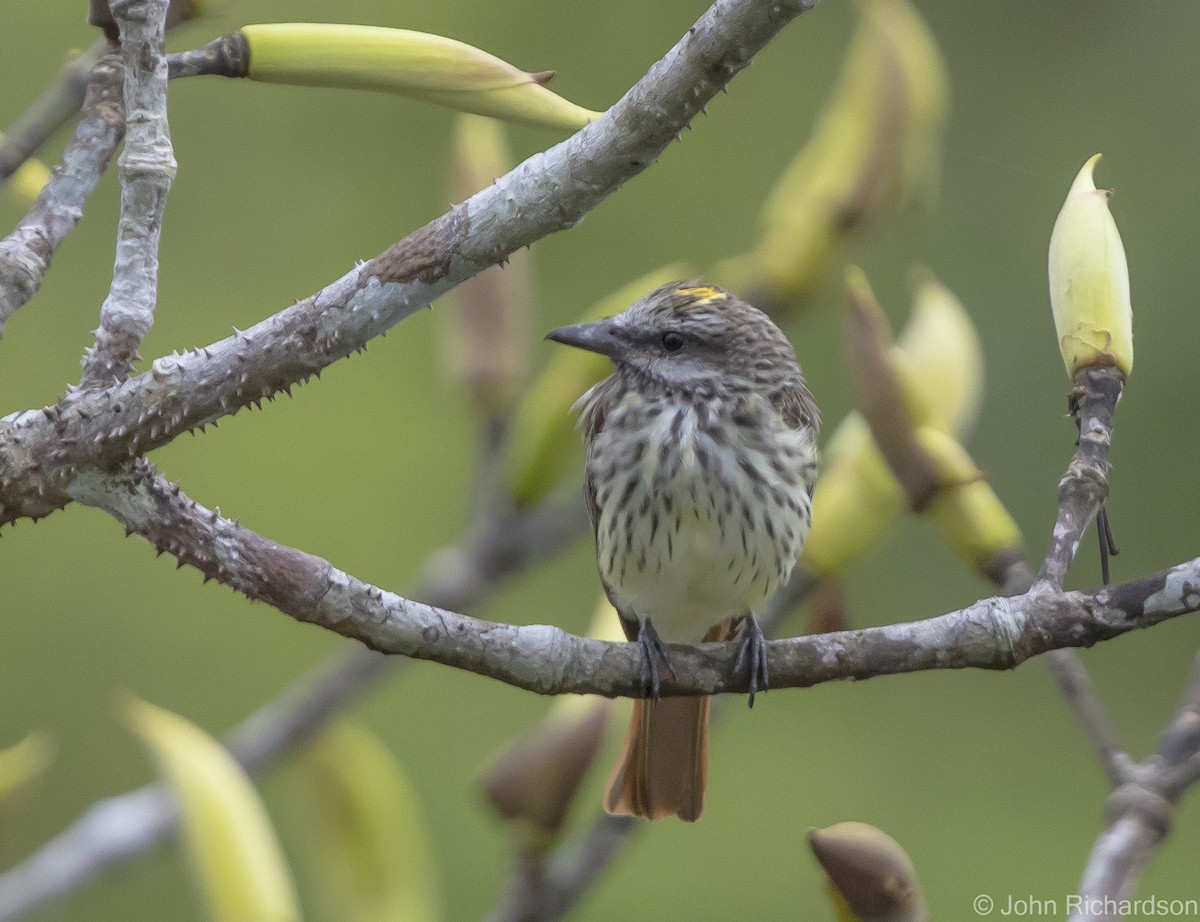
pixel 871 876
pixel 235 855
pixel 887 395
pixel 855 500
pixel 1089 280
pixel 944 355
pixel 24 186
pixel 372 852
pixel 935 375
pixel 876 149
pixel 965 508
pixel 416 64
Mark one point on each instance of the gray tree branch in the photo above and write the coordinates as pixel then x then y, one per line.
pixel 25 254
pixel 53 108
pixel 1141 807
pixel 41 451
pixel 996 633
pixel 147 168
pixel 120 828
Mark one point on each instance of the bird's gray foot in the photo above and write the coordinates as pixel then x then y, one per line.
pixel 752 655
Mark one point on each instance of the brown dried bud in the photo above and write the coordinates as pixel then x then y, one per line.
pixel 870 872
pixel 486 336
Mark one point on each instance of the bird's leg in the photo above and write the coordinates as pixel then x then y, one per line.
pixel 752 655
pixel 653 650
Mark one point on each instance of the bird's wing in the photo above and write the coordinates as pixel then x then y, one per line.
pixel 592 415
pixel 591 421
pixel 797 406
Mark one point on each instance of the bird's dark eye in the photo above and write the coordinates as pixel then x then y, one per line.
pixel 672 341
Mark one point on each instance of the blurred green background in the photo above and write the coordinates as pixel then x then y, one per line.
pixel 983 777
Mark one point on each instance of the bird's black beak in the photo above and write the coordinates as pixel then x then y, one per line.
pixel 602 336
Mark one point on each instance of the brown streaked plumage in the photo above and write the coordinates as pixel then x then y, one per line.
pixel 701 462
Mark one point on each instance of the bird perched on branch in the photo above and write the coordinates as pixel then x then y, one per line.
pixel 701 459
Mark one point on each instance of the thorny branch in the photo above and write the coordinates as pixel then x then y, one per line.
pixel 120 828
pixel 42 451
pixel 79 448
pixel 996 633
pixel 78 443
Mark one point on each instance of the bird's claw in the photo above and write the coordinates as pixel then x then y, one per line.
pixel 653 650
pixel 752 655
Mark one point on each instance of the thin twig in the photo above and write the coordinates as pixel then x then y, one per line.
pixel 25 254
pixel 56 106
pixel 61 100
pixel 1081 495
pixel 1084 486
pixel 147 168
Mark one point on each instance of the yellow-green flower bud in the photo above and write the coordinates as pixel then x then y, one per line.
pixel 855 500
pixel 1089 280
pixel 871 876
pixel 372 858
pixel 875 149
pixel 544 445
pixel 887 395
pixel 944 356
pixel 24 186
pixel 416 64
pixel 937 367
pixel 237 859
pixel 965 508
pixel 925 102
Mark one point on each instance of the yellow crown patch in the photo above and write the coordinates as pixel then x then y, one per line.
pixel 702 294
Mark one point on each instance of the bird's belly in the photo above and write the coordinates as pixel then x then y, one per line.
pixel 697 551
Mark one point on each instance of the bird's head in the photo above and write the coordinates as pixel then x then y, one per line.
pixel 693 338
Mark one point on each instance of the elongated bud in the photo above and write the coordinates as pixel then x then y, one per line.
pixel 967 511
pixel 944 355
pixel 20 764
pixel 870 875
pixel 532 781
pixel 416 64
pixel 1089 280
pixel 487 331
pixel 876 149
pixel 372 861
pixel 544 445
pixel 886 393
pixel 926 100
pixel 235 855
pixel 934 377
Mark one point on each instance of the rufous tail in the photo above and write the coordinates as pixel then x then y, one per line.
pixel 663 768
